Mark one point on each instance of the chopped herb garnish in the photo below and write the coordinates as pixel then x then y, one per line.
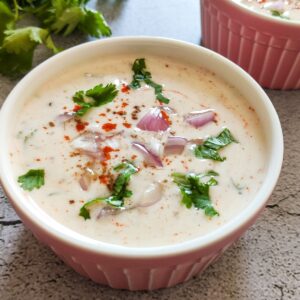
pixel 142 75
pixel 238 187
pixel 119 191
pixel 97 96
pixel 29 135
pixel 209 149
pixel 195 192
pixel 277 13
pixel 32 179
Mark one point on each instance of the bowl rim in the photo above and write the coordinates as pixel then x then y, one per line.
pixel 101 248
pixel 266 17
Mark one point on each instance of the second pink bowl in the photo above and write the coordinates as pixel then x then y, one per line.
pixel 268 48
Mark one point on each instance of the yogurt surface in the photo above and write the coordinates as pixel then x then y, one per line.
pixel 285 9
pixel 154 214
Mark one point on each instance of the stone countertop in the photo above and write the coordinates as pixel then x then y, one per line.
pixel 263 264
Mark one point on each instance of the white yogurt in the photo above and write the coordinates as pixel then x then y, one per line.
pixel 41 142
pixel 286 9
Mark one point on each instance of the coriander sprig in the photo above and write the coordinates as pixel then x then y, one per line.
pixel 33 179
pixel 17 45
pixel 119 191
pixel 209 149
pixel 195 191
pixel 141 74
pixel 94 97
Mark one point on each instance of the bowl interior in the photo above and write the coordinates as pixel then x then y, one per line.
pixel 180 51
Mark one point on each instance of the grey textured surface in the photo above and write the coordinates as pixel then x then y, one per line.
pixel 263 264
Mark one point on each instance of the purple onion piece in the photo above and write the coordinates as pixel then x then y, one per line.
pixel 175 145
pixel 89 144
pixel 84 181
pixel 152 159
pixel 151 196
pixel 107 211
pixel 153 121
pixel 200 118
pixel 62 118
pixel 168 109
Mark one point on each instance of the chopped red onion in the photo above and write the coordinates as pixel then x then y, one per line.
pixel 151 196
pixel 65 117
pixel 200 118
pixel 152 159
pixel 153 121
pixel 175 145
pixel 168 109
pixel 107 211
pixel 195 141
pixel 84 181
pixel 89 143
pixel 275 5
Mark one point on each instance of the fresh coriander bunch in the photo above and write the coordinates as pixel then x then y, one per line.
pixel 17 45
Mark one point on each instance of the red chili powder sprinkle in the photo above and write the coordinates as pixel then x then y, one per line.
pixel 127 125
pixel 102 115
pixel 76 108
pixel 104 165
pixel 109 126
pixel 80 126
pixel 104 179
pixel 67 138
pixel 125 88
pixel 121 112
pixel 124 104
pixel 106 151
pixel 166 117
pixel 133 156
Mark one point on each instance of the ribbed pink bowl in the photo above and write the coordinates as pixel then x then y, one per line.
pixel 135 268
pixel 268 48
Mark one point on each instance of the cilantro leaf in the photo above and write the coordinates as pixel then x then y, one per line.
pixel 209 149
pixel 140 74
pixel 94 24
pixel 16 52
pixel 277 13
pixel 64 17
pixel 17 46
pixel 196 192
pixel 94 97
pixel 7 18
pixel 119 191
pixel 32 179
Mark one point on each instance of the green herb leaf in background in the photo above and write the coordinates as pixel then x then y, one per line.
pixel 16 52
pixel 34 178
pixel 97 96
pixel 209 149
pixel 17 45
pixel 7 18
pixel 195 192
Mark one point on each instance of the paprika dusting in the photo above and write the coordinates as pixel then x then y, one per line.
pixel 109 126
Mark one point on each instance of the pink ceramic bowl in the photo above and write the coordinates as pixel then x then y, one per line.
pixel 128 267
pixel 268 48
